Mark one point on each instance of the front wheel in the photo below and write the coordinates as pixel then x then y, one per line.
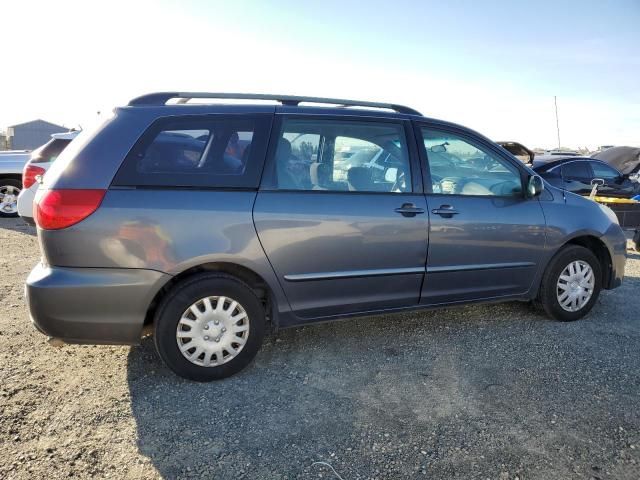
pixel 209 327
pixel 9 191
pixel 571 284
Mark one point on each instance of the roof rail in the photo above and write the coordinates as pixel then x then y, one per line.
pixel 161 98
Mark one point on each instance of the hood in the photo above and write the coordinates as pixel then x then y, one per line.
pixel 625 159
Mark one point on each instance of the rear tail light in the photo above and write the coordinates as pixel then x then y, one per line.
pixel 56 209
pixel 29 174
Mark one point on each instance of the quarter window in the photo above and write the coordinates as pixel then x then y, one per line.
pixel 216 151
pixel 459 167
pixel 342 156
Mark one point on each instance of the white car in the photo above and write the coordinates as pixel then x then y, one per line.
pixel 41 159
pixel 11 165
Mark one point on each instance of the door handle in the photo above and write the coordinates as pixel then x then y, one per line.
pixel 446 211
pixel 409 210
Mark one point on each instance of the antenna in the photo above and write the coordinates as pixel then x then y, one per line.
pixel 555 101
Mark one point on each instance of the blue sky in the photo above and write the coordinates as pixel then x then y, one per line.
pixel 493 66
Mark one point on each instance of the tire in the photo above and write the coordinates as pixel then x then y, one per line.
pixel 211 331
pixel 14 186
pixel 550 292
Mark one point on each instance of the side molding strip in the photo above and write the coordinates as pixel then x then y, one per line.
pixel 478 266
pixel 305 277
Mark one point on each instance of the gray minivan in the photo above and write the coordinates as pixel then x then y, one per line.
pixel 208 222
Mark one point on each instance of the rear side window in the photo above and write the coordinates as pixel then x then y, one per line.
pixel 342 155
pixel 49 151
pixel 198 151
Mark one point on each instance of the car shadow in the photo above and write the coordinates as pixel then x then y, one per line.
pixel 17 225
pixel 320 391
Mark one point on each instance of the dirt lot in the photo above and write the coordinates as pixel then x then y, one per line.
pixel 478 392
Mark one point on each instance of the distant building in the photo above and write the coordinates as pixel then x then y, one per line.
pixel 30 135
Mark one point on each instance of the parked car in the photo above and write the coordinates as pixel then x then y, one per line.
pixel 624 159
pixel 519 151
pixel 11 164
pixel 561 153
pixel 39 162
pixel 160 219
pixel 576 174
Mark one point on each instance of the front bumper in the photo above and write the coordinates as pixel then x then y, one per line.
pixel 91 305
pixel 616 242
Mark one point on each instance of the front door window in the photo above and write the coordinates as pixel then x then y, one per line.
pixel 460 167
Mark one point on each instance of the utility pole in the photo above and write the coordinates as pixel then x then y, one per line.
pixel 555 102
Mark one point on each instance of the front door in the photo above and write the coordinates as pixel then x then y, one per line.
pixel 485 237
pixel 615 184
pixel 577 176
pixel 341 216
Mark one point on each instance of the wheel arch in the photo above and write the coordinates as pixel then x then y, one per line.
pixel 257 283
pixel 12 176
pixel 599 249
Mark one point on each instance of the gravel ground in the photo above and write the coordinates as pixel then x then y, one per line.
pixel 477 392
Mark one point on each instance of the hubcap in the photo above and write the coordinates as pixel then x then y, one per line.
pixel 212 331
pixel 9 199
pixel 575 286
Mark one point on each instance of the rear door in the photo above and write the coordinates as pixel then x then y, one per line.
pixel 485 238
pixel 341 214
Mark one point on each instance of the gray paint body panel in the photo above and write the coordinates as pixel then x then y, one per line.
pixel 505 234
pixel 570 216
pixel 308 232
pixel 165 230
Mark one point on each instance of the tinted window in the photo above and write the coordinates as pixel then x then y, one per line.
pixel 213 151
pixel 49 151
pixel 600 170
pixel 342 156
pixel 576 170
pixel 459 166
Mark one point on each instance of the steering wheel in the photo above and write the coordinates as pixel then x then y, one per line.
pixel 400 180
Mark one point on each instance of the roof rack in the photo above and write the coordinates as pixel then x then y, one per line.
pixel 161 98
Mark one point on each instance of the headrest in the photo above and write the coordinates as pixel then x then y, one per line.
pixel 359 178
pixel 320 173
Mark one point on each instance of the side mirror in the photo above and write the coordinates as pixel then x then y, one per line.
pixel 439 148
pixel 535 186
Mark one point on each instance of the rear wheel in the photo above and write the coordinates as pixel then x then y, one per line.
pixel 571 284
pixel 9 191
pixel 209 327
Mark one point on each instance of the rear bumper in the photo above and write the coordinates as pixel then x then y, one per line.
pixel 91 305
pixel 25 201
